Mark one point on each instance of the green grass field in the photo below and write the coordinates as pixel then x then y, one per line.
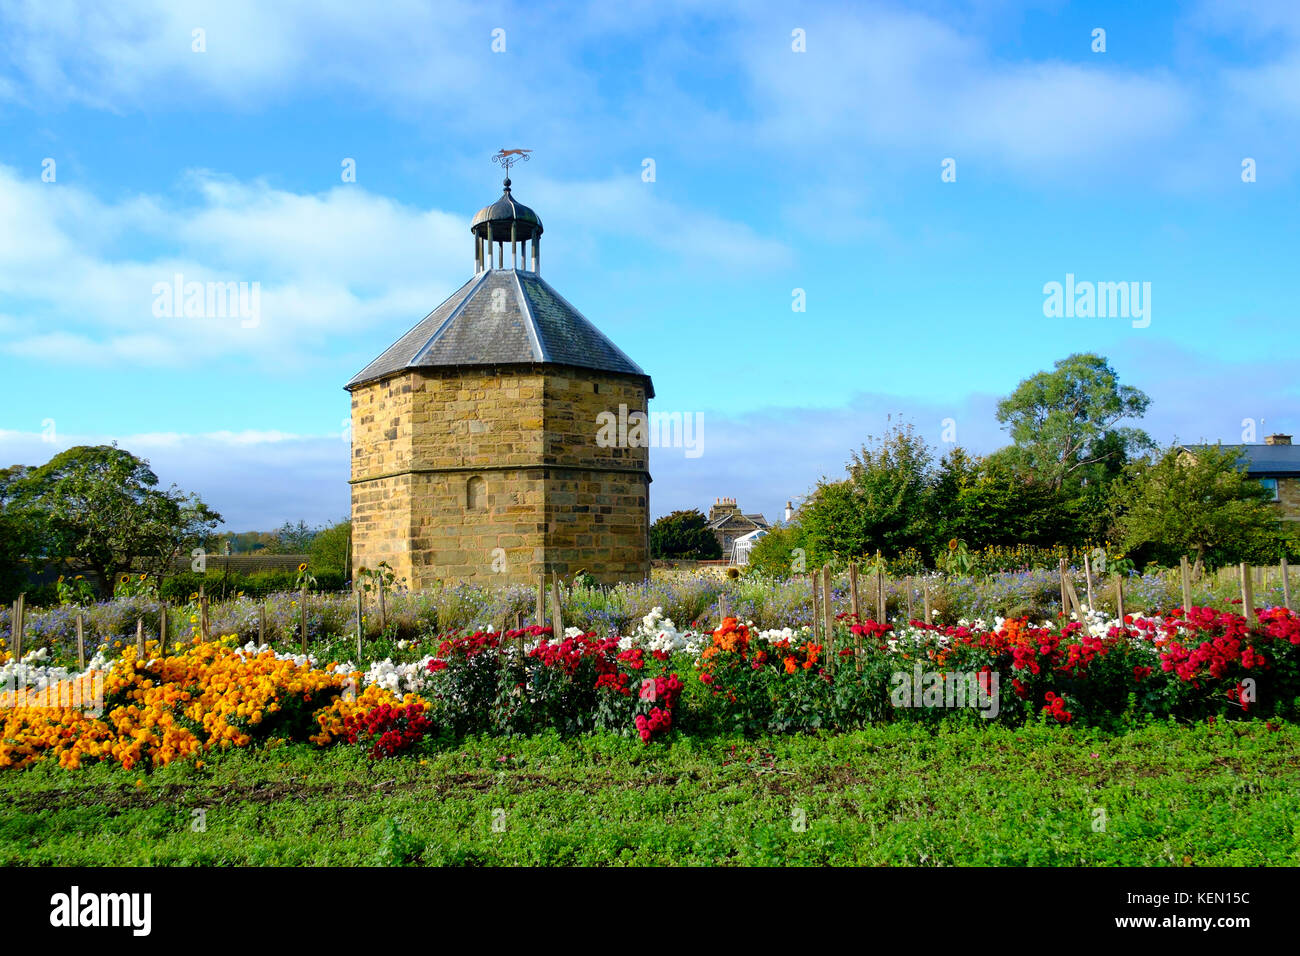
pixel 892 795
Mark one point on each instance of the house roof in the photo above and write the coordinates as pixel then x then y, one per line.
pixel 502 317
pixel 721 520
pixel 1265 460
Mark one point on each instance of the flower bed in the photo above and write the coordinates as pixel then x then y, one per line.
pixel 1204 664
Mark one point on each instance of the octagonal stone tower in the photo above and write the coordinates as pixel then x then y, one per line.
pixel 474 436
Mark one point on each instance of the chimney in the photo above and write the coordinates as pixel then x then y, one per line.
pixel 789 511
pixel 1277 440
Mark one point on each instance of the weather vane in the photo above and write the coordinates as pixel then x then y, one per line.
pixel 508 157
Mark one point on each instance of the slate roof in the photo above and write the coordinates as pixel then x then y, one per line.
pixel 502 317
pixel 1264 461
pixel 757 520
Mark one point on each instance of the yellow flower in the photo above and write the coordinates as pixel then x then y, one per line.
pixel 302 567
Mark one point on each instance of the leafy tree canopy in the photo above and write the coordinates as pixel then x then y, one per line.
pixel 684 534
pixel 102 505
pixel 1195 501
pixel 1065 424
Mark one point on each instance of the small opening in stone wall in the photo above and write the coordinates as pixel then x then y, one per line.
pixel 476 494
pixel 595 387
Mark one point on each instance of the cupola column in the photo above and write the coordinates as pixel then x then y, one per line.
pixel 488 267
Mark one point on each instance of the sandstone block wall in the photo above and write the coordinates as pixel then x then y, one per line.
pixel 495 476
pixel 1288 496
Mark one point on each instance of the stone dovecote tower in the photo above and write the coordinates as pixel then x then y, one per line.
pixel 474 436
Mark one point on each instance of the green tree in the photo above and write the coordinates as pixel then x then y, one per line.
pixel 1066 423
pixel 1194 500
pixel 989 503
pixel 17 535
pixel 883 504
pixel 777 552
pixel 292 538
pixel 102 505
pixel 329 547
pixel 684 534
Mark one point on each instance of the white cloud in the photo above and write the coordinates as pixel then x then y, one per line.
pixel 329 268
pixel 325 265
pixel 902 81
pixel 134 55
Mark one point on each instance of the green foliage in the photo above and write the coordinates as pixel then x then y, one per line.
pixel 956 558
pixel 381 577
pixel 129 586
pixel 684 534
pixel 74 590
pixel 1196 501
pixel 780 552
pixel 396 846
pixel 881 505
pixel 292 538
pixel 177 588
pixel 984 501
pixel 890 795
pixel 1065 423
pixel 102 505
pixel 18 537
pixel 329 548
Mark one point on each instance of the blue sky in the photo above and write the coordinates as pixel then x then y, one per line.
pixel 775 170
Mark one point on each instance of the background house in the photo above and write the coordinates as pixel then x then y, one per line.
pixel 1276 465
pixel 728 523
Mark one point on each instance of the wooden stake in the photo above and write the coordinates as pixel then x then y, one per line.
pixel 302 616
pixel 81 641
pixel 360 624
pixel 925 596
pixel 1065 599
pixel 1119 598
pixel 816 606
pixel 880 595
pixel 1247 595
pixel 203 614
pixel 853 592
pixel 541 600
pixel 1185 578
pixel 162 629
pixel 907 583
pixel 724 611
pixel 1087 576
pixel 261 622
pixel 828 614
pixel 383 611
pixel 16 628
pixel 1286 586
pixel 555 606
pixel 1071 593
pixel 139 637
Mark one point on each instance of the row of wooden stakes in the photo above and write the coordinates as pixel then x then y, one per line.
pixel 823 612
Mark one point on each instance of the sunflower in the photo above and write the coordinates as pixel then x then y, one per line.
pixel 302 567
